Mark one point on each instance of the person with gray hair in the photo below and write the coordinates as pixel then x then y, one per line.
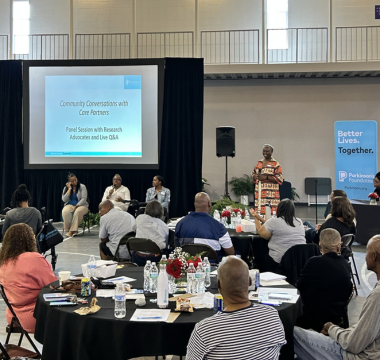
pixel 268 174
pixel 117 193
pixel 325 284
pixel 242 330
pixel 360 341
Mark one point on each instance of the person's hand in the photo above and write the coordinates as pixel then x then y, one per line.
pixel 254 214
pixel 317 227
pixel 68 185
pixel 111 192
pixel 254 176
pixel 74 208
pixel 262 177
pixel 326 327
pixel 119 199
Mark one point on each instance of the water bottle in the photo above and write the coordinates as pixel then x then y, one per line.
pixel 200 279
pixel 217 215
pixel 171 256
pixel 153 277
pixel 246 217
pixel 163 258
pixel 190 288
pixel 120 310
pixel 91 266
pixel 147 268
pixel 207 269
pixel 238 219
pixel 274 213
pixel 163 288
pixel 267 211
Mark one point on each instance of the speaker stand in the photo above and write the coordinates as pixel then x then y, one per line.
pixel 226 194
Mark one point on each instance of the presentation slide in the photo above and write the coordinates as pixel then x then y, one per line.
pixel 93 115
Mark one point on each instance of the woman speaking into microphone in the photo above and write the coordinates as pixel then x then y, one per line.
pixel 76 206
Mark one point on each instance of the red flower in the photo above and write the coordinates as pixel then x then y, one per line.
pixel 226 213
pixel 174 268
pixel 373 195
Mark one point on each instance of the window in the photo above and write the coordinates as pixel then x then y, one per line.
pixel 21 15
pixel 277 18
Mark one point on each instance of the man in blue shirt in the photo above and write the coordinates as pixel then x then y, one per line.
pixel 200 228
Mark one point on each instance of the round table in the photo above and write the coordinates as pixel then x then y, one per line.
pixel 67 335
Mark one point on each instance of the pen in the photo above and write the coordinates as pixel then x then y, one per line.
pixel 149 317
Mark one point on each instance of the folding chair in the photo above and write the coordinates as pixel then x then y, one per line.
pixel 86 219
pixel 15 327
pixel 144 245
pixel 123 241
pixel 347 241
pixel 10 351
pixel 52 253
pixel 194 249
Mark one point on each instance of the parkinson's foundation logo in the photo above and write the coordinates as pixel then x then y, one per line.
pixel 342 175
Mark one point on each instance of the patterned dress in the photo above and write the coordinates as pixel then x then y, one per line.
pixel 270 192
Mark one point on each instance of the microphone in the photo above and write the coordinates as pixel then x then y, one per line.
pixel 113 187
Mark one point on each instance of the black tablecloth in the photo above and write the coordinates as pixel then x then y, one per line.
pixel 66 335
pixel 368 220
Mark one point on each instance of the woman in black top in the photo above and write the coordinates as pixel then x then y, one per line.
pixel 342 218
pixel 376 183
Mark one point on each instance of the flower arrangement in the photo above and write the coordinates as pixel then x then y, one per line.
pixel 177 266
pixel 232 212
pixel 373 196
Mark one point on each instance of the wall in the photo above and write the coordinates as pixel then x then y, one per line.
pixel 4 17
pixel 295 116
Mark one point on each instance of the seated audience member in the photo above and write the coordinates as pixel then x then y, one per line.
pixel 200 228
pixel 360 341
pixel 114 224
pixel 116 193
pixel 282 231
pixel 21 212
pixel 23 273
pixel 242 330
pixel 158 192
pixel 150 226
pixel 333 195
pixel 325 284
pixel 376 183
pixel 74 196
pixel 342 218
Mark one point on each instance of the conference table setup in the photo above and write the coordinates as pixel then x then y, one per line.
pixel 68 335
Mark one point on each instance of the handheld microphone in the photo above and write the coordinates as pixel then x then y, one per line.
pixel 113 187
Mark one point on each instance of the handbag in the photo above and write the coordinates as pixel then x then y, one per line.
pixel 48 237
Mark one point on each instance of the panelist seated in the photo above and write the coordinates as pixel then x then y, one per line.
pixel 242 330
pixel 342 218
pixel 150 226
pixel 114 224
pixel 117 193
pixel 74 196
pixel 158 192
pixel 325 284
pixel 283 232
pixel 23 273
pixel 21 212
pixel 200 228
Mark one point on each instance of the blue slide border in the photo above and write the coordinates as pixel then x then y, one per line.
pixel 79 153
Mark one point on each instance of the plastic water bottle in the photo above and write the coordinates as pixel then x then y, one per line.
pixel 200 279
pixel 246 217
pixel 217 215
pixel 91 266
pixel 207 270
pixel 191 288
pixel 153 277
pixel 163 258
pixel 238 219
pixel 120 310
pixel 147 268
pixel 163 288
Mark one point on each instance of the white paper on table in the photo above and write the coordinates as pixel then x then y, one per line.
pixel 106 293
pixel 104 262
pixel 253 295
pixel 269 276
pixel 267 290
pixel 120 280
pixel 132 296
pixel 273 283
pixel 153 315
pixel 215 272
pixel 203 301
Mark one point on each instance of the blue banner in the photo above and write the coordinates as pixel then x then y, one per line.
pixel 355 157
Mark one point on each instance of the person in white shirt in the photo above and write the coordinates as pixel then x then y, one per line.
pixel 114 224
pixel 150 226
pixel 117 193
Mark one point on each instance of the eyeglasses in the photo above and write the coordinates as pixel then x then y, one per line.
pixel 376 181
pixel 116 179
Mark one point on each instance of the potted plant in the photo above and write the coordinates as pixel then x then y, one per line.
pixel 242 186
pixel 225 203
pixel 294 194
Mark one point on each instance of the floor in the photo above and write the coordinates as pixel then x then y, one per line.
pixel 75 251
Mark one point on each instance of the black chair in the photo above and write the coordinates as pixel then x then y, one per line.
pixel 86 219
pixel 123 241
pixel 171 238
pixel 10 351
pixel 15 327
pixel 194 249
pixel 52 253
pixel 143 245
pixel 294 261
pixel 347 253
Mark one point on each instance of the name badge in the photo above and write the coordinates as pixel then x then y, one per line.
pixel 162 192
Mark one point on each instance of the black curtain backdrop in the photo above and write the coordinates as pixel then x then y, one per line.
pixel 11 164
pixel 180 157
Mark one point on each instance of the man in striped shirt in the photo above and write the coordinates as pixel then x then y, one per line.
pixel 243 330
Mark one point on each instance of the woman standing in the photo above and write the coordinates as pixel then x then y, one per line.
pixel 76 206
pixel 158 192
pixel 268 171
pixel 21 212
pixel 23 273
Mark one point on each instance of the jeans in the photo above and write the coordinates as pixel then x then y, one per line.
pixel 310 345
pixel 310 234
